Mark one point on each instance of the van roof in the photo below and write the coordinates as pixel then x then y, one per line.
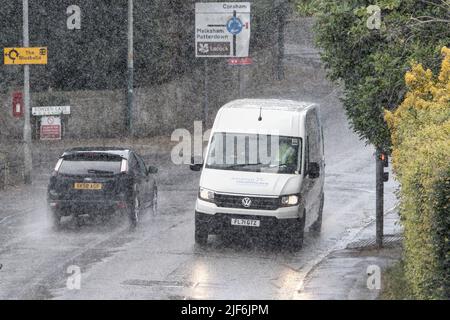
pixel 270 104
pixel 263 116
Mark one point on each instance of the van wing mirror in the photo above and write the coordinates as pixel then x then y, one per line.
pixel 314 170
pixel 195 166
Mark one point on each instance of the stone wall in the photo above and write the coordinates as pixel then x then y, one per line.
pixel 157 109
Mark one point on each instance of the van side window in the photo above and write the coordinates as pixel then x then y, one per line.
pixel 313 133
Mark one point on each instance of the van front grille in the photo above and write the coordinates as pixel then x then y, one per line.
pixel 246 202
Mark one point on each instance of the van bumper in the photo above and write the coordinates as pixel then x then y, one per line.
pixel 209 208
pixel 221 223
pixel 214 220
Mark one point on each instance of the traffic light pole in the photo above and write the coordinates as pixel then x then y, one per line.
pixel 28 161
pixel 379 207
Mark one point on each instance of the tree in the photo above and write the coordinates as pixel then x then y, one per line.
pixel 370 63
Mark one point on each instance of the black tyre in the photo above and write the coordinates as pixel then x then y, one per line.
pixel 298 234
pixel 133 212
pixel 201 233
pixel 155 199
pixel 316 227
pixel 293 236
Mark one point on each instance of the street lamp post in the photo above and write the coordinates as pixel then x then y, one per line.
pixel 130 65
pixel 28 162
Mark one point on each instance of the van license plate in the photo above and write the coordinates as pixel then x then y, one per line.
pixel 245 222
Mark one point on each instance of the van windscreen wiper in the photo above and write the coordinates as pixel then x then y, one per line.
pixel 242 165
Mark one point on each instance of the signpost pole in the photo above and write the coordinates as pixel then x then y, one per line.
pixel 205 94
pixel 379 199
pixel 130 64
pixel 28 162
pixel 240 81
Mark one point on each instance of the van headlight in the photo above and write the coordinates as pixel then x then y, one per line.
pixel 290 200
pixel 205 194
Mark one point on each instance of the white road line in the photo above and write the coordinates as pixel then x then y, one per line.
pixel 16 215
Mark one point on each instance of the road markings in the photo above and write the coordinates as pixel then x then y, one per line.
pixel 21 213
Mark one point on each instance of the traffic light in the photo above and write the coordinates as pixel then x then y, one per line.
pixel 385 160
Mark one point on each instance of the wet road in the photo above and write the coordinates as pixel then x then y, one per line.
pixel 159 260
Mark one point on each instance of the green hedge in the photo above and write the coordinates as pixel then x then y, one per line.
pixel 421 156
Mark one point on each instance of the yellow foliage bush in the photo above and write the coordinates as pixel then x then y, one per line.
pixel 420 131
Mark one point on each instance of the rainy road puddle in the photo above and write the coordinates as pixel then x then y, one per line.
pixel 177 285
pixel 52 285
pixel 160 283
pixel 49 286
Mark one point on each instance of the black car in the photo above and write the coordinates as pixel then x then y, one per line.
pixel 101 181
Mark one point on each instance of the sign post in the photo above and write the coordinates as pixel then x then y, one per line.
pixel 28 161
pixel 222 30
pixel 240 62
pixel 25 56
pixel 130 69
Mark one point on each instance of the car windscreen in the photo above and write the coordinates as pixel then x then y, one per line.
pixel 255 153
pixel 91 164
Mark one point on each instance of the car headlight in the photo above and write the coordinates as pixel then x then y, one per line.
pixel 206 194
pixel 290 200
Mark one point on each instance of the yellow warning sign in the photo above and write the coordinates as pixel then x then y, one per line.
pixel 25 55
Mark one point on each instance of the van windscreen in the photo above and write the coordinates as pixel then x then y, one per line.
pixel 255 153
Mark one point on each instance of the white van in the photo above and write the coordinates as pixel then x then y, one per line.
pixel 264 171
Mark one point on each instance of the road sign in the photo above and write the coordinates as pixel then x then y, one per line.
pixel 50 111
pixel 235 25
pixel 50 128
pixel 17 56
pixel 222 29
pixel 240 61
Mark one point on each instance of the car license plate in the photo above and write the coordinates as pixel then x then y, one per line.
pixel 245 222
pixel 88 186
